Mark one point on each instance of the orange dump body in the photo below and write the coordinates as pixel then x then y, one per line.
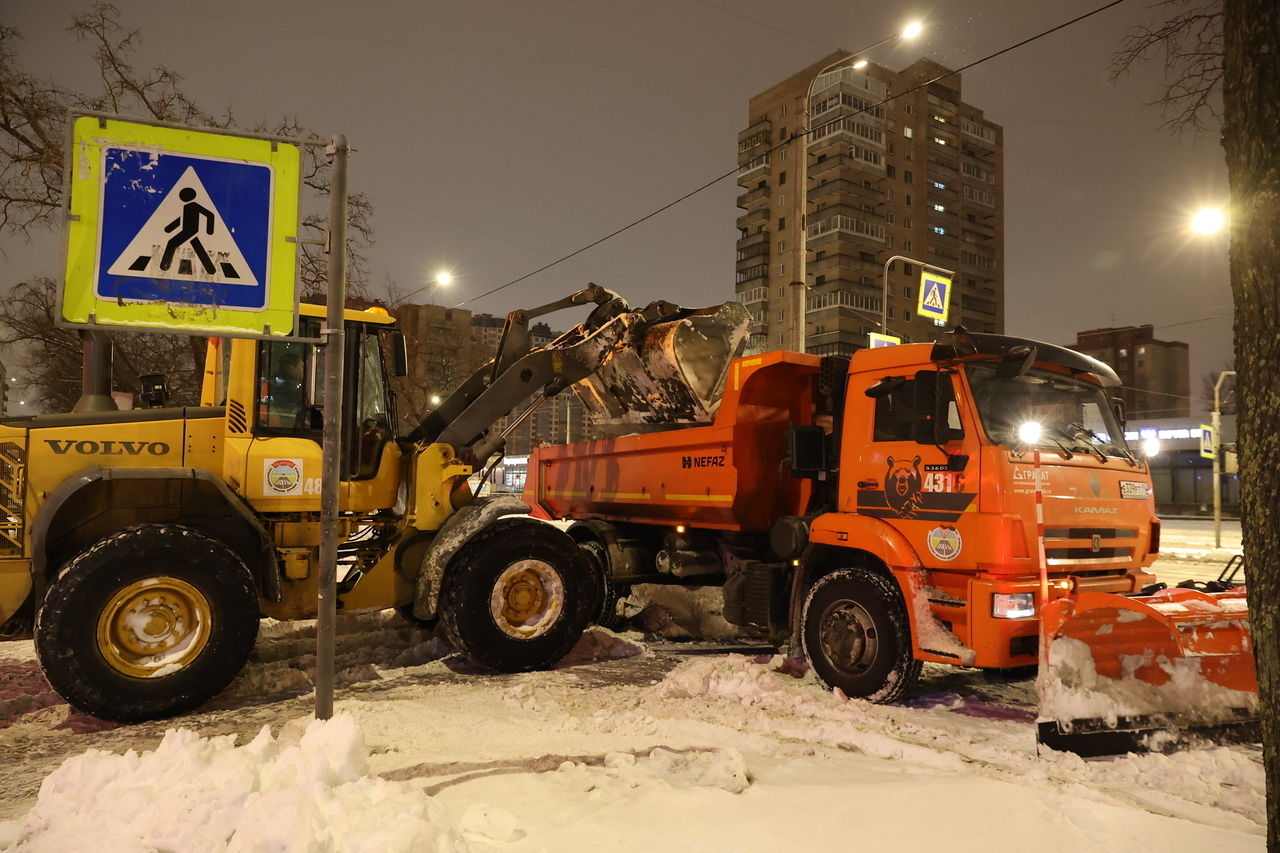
pixel 724 476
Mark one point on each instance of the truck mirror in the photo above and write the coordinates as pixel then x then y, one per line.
pixel 1017 361
pixel 399 354
pixel 1117 406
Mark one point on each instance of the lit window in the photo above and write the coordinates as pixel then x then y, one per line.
pixel 940 140
pixel 908 132
pixel 938 208
pixel 939 185
pixel 938 229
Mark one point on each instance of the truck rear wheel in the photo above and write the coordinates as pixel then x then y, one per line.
pixel 147 623
pixel 517 597
pixel 604 607
pixel 857 636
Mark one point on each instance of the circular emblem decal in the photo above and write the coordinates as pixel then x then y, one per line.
pixel 283 476
pixel 944 543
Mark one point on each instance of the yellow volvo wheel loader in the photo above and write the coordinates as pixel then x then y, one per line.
pixel 146 544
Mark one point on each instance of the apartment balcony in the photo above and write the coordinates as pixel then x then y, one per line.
pixel 755 139
pixel 844 244
pixel 857 226
pixel 753 170
pixel 831 191
pixel 749 273
pixel 750 220
pixel 753 196
pixel 843 271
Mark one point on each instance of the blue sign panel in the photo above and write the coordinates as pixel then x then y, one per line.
pixel 183 229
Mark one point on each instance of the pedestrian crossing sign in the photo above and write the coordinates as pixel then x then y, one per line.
pixel 180 230
pixel 876 340
pixel 935 296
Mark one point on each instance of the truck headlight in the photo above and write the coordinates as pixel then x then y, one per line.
pixel 1013 605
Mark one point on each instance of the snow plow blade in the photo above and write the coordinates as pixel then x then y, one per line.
pixel 667 373
pixel 1148 673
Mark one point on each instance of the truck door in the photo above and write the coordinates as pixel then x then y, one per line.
pixel 909 465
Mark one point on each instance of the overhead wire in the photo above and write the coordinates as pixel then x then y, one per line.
pixel 810 131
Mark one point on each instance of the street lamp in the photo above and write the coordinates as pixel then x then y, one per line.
pixel 884 305
pixel 1208 220
pixel 799 287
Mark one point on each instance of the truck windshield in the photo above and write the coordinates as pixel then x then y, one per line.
pixel 1072 413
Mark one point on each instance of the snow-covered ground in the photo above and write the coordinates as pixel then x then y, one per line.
pixel 626 746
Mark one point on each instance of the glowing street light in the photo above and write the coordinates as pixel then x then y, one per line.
pixel 1151 447
pixel 444 278
pixel 435 399
pixel 912 30
pixel 1208 220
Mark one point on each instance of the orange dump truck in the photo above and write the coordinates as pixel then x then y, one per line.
pixel 879 511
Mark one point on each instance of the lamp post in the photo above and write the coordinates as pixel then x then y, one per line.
pixel 799 287
pixel 884 304
pixel 1217 457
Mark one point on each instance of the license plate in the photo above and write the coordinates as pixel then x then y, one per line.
pixel 1133 489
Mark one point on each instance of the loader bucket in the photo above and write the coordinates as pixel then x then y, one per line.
pixel 669 373
pixel 1122 674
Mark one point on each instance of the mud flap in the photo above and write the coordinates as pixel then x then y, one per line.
pixel 667 373
pixel 1146 673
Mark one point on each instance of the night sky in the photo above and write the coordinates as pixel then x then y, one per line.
pixel 495 137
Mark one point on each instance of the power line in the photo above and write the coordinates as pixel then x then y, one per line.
pixel 779 145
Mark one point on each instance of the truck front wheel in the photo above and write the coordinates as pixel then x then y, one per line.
pixel 149 622
pixel 517 597
pixel 857 637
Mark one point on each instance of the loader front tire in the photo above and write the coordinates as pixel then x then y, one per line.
pixel 517 597
pixel 147 623
pixel 857 637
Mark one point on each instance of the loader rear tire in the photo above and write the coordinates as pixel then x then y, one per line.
pixel 517 597
pixel 147 623
pixel 857 637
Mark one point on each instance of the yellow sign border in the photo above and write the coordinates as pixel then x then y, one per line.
pixel 78 304
pixel 925 276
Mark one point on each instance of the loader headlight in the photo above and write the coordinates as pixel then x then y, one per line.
pixel 1013 605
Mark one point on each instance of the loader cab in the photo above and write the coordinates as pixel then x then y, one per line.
pixel 290 382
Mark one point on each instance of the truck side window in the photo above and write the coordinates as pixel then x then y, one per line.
pixel 895 413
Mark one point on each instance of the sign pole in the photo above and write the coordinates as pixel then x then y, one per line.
pixel 331 452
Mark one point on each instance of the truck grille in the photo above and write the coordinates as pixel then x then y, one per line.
pixel 13 470
pixel 1075 546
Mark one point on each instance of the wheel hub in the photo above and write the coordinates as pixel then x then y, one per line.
pixel 527 599
pixel 154 627
pixel 848 637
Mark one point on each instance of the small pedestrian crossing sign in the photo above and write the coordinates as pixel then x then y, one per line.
pixel 935 296
pixel 875 340
pixel 181 230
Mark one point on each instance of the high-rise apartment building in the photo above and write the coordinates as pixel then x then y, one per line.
pixel 919 176
pixel 1155 376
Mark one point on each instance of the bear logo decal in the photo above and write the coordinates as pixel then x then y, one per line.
pixel 902 486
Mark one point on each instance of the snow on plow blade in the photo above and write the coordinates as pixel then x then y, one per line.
pixel 1144 674
pixel 668 373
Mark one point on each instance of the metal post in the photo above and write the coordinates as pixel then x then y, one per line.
pixel 331 453
pixel 1217 457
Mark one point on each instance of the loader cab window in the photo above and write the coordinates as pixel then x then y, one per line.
pixel 290 394
pixel 373 412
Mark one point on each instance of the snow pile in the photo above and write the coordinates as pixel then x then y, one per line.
pixel 598 644
pixel 1070 688
pixel 206 794
pixel 712 677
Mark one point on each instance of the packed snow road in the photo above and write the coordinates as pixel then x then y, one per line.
pixel 627 745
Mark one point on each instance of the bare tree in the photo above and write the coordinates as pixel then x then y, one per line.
pixel 49 356
pixel 33 116
pixel 1233 45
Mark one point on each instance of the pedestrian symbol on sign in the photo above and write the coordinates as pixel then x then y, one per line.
pixel 187 228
